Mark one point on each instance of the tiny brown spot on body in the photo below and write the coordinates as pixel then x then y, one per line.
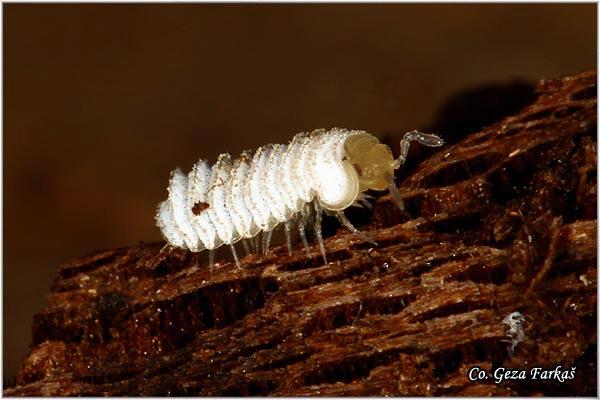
pixel 199 207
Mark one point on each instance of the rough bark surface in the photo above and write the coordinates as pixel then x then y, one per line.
pixel 503 221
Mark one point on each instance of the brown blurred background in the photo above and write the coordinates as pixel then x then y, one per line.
pixel 102 101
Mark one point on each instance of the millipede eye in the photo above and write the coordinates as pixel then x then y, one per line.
pixel 199 207
pixel 357 169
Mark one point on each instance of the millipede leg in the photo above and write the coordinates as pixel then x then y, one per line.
pixel 346 222
pixel 318 232
pixel 308 212
pixel 235 256
pixel 211 260
pixel 288 237
pixel 166 246
pixel 246 248
pixel 256 244
pixel 260 243
pixel 301 227
pixel 366 203
pixel 267 241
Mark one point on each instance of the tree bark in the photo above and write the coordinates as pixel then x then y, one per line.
pixel 503 221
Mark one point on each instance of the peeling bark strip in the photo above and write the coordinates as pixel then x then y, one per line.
pixel 509 208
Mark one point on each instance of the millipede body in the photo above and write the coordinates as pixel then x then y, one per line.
pixel 238 199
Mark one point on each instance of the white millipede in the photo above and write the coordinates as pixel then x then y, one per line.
pixel 235 200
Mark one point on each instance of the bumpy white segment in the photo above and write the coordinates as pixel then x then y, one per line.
pixel 299 150
pixel 273 189
pixel 217 193
pixel 198 184
pixel 256 196
pixel 333 179
pixel 238 199
pixel 165 222
pixel 178 202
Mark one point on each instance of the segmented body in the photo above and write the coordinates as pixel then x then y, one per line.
pixel 237 199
